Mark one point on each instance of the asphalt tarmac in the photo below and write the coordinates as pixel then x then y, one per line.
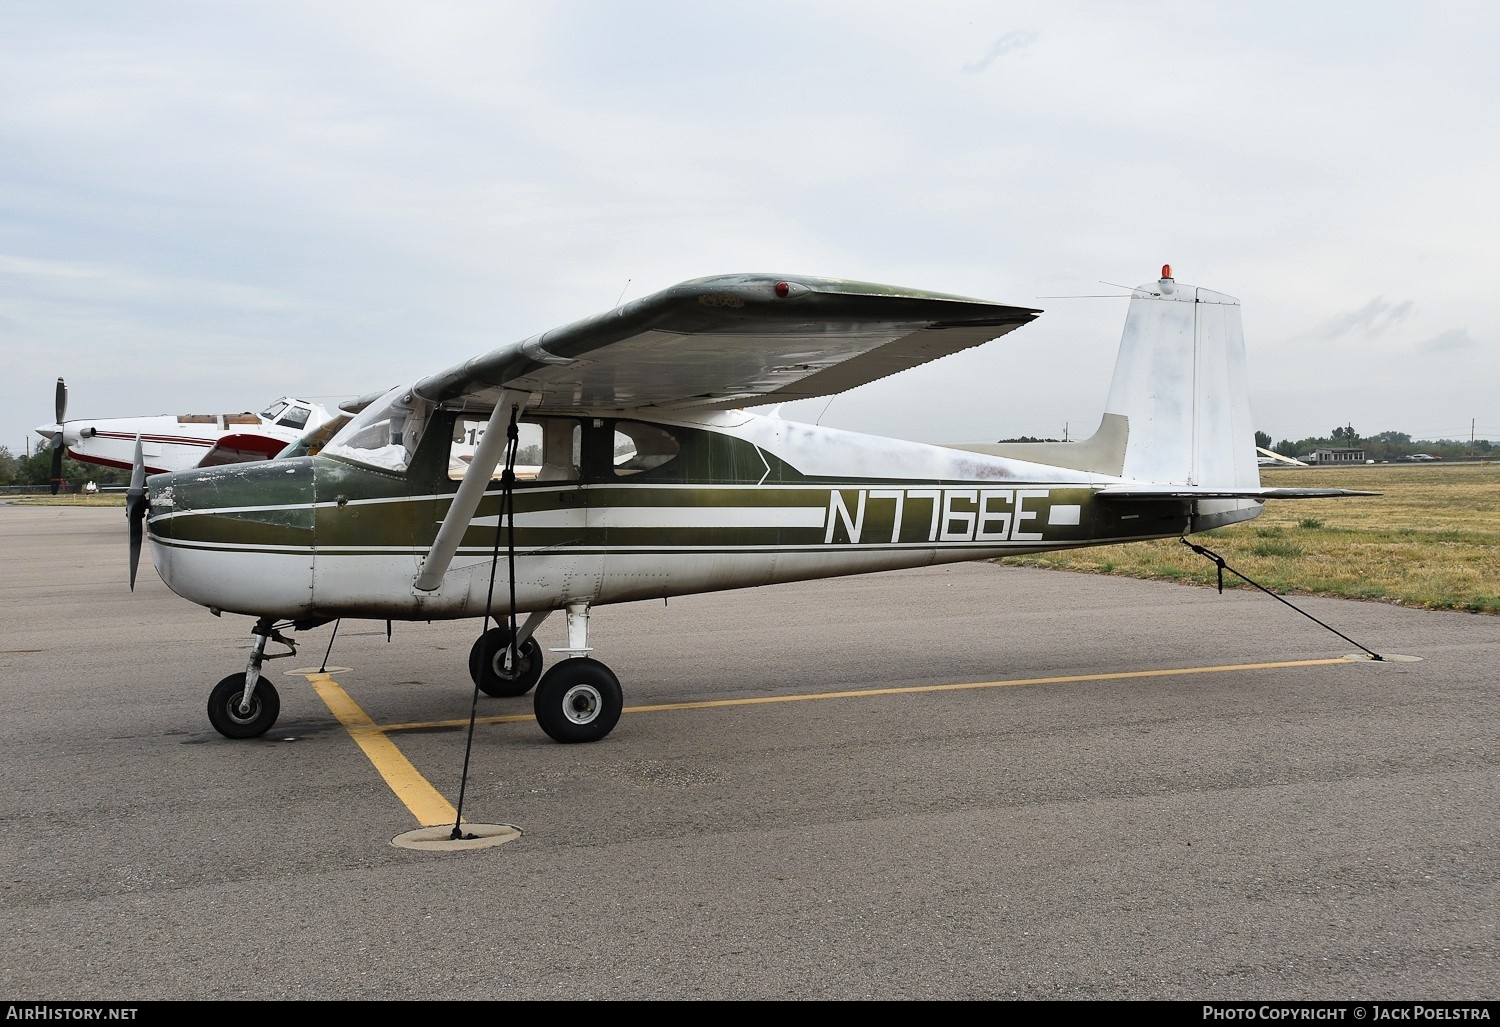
pixel 975 782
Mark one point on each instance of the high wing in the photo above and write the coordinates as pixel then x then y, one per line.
pixel 709 343
pixel 729 341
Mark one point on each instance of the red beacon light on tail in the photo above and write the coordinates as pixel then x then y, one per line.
pixel 1167 285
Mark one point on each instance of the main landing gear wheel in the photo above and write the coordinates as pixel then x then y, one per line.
pixel 224 708
pixel 488 659
pixel 579 700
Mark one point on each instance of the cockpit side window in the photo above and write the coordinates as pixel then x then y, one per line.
pixel 547 448
pixel 270 413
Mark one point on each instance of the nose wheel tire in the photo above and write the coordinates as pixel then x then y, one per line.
pixel 578 700
pixel 224 708
pixel 488 659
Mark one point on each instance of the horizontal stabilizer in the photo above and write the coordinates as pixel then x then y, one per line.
pixel 1129 493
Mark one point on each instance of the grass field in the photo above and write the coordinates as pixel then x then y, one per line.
pixel 1432 539
pixel 72 499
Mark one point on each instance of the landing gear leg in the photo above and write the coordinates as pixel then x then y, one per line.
pixel 579 699
pixel 243 705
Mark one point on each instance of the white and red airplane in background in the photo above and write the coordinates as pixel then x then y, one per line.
pixel 179 442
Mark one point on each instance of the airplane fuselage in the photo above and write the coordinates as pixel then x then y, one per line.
pixel 745 501
pixel 176 442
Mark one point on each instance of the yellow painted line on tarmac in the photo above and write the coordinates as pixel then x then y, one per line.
pixel 432 810
pixel 425 802
pixel 963 686
pixel 860 693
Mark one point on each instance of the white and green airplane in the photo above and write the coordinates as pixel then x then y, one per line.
pixel 613 460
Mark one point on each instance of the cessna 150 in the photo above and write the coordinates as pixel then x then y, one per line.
pixel 648 479
pixel 177 442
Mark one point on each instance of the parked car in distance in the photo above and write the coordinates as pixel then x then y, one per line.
pixel 1420 457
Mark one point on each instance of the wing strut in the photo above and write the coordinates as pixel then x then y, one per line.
pixel 487 456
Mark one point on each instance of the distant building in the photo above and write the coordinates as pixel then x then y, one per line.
pixel 1336 456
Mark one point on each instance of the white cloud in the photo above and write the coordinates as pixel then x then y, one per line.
pixel 1453 340
pixel 1008 43
pixel 1374 318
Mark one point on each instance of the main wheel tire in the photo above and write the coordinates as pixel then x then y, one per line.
pixel 487 661
pixel 578 700
pixel 224 708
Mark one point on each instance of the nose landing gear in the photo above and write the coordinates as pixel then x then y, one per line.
pixel 244 705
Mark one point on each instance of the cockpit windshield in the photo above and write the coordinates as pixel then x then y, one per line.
pixel 385 434
pixel 314 439
pixel 296 416
pixel 270 412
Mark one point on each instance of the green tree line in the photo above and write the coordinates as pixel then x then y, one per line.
pixel 36 470
pixel 1386 445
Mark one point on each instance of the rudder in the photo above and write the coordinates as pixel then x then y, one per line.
pixel 1181 383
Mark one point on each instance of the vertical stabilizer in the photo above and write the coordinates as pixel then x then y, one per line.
pixel 1180 382
pixel 1178 412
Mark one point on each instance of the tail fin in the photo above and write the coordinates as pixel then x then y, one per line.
pixel 1177 420
pixel 1181 384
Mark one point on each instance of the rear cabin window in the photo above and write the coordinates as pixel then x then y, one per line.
pixel 657 453
pixel 641 447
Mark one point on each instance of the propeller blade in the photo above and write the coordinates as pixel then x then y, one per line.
pixel 135 509
pixel 57 440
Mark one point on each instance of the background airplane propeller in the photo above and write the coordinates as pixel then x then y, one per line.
pixel 135 507
pixel 58 446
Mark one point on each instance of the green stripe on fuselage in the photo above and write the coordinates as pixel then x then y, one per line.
pixel 357 510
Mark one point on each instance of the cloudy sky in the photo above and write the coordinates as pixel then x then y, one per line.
pixel 207 205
